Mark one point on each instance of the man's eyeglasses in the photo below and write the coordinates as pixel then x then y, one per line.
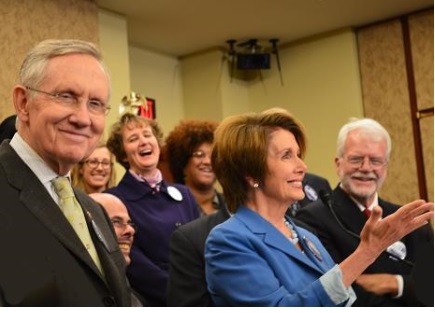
pixel 93 163
pixel 121 225
pixel 358 161
pixel 200 155
pixel 68 99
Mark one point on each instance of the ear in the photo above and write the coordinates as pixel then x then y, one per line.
pixel 251 181
pixel 21 102
pixel 337 165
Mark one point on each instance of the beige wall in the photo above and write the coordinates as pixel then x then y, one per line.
pixel 25 23
pixel 321 87
pixel 202 89
pixel 114 46
pixel 158 76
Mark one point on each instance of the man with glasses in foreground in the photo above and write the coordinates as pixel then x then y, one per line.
pixel 59 246
pixel 363 153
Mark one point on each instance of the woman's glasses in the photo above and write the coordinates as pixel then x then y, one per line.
pixel 94 163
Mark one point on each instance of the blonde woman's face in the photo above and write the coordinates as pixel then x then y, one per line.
pixel 97 169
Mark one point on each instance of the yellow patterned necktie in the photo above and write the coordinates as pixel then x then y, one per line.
pixel 74 214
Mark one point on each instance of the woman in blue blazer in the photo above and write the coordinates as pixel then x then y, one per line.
pixel 259 257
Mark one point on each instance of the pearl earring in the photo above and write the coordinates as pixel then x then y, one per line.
pixel 255 185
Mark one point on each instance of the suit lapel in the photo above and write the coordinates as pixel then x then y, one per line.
pixel 273 238
pixel 347 211
pixel 37 200
pixel 102 237
pixel 106 244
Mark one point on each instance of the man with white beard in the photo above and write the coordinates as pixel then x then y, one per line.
pixel 363 153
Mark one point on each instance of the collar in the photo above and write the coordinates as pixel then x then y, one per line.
pixel 37 165
pixel 154 182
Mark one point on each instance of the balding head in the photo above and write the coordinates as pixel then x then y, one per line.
pixel 121 221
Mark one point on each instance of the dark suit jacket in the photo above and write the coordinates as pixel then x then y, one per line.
pixel 43 262
pixel 423 272
pixel 340 243
pixel 186 284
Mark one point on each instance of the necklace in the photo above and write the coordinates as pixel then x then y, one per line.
pixel 294 237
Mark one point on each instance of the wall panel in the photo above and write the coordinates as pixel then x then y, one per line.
pixel 396 81
pixel 25 23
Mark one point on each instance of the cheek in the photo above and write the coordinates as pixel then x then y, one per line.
pixel 157 147
pixel 188 169
pixel 98 125
pixel 128 148
pixel 381 174
pixel 86 172
pixel 118 233
pixel 345 170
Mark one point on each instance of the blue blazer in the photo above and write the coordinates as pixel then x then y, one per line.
pixel 250 263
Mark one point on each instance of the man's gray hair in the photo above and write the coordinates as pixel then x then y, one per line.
pixel 367 126
pixel 32 71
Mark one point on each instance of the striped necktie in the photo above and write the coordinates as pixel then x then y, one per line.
pixel 74 214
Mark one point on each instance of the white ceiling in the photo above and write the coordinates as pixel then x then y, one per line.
pixel 182 27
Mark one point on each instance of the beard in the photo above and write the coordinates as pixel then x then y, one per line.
pixel 361 193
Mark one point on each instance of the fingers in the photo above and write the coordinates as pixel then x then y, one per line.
pixel 415 214
pixel 409 207
pixel 376 213
pixel 421 212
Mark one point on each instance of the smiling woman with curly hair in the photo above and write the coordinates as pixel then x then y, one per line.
pixel 188 149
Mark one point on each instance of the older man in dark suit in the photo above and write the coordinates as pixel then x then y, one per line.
pixel 50 259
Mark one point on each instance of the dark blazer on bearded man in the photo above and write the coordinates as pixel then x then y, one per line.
pixel 43 262
pixel 340 243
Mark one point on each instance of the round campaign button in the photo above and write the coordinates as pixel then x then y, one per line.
pixel 310 193
pixel 175 193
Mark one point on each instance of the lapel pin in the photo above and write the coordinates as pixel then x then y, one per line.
pixel 313 249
